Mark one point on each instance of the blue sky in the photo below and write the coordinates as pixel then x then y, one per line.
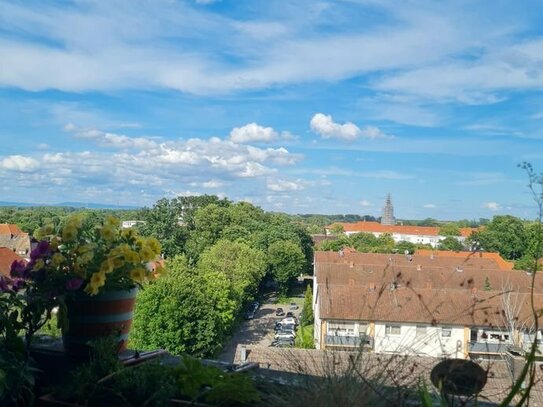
pixel 299 106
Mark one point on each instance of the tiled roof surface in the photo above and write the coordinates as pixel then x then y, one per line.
pixel 375 227
pixel 372 286
pixel 7 257
pixel 397 370
pixel 10 229
pixel 500 261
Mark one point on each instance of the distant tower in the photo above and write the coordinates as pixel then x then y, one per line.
pixel 388 213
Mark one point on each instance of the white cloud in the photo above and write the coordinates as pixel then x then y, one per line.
pixel 253 132
pixel 110 139
pixel 429 206
pixel 19 163
pixel 278 185
pixel 212 184
pixel 325 126
pixel 365 203
pixel 493 206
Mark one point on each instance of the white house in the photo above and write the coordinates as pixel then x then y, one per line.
pixel 413 234
pixel 418 305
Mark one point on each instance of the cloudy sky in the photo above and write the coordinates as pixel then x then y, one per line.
pixel 298 106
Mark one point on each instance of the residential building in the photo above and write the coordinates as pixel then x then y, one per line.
pixel 126 224
pixel 421 305
pixel 15 239
pixel 413 234
pixel 7 257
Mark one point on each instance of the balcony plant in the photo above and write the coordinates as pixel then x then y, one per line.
pixel 91 272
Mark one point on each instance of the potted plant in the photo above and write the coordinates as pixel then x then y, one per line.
pixel 90 272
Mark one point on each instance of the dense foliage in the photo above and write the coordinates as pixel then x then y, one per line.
pixel 217 254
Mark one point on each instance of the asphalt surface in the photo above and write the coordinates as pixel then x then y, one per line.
pixel 258 331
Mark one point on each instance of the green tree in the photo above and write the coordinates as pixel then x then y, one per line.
pixel 178 313
pixel 505 234
pixel 337 229
pixel 403 246
pixel 307 311
pixel 449 229
pixel 161 221
pixel 450 243
pixel 242 266
pixel 286 262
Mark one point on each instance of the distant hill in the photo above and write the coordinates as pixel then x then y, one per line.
pixel 89 205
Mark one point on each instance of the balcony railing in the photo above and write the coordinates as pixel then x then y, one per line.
pixel 486 347
pixel 350 341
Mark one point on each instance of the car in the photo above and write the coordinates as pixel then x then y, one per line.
pixel 290 327
pixel 285 335
pixel 289 320
pixel 249 314
pixel 290 315
pixel 293 306
pixel 279 312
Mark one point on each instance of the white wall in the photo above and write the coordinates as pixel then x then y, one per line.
pixel 416 239
pixel 432 343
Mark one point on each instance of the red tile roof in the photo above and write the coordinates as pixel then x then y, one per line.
pixel 375 227
pixel 452 290
pixel 7 257
pixel 10 229
pixel 500 261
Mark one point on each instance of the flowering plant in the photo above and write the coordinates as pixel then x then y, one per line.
pixel 92 258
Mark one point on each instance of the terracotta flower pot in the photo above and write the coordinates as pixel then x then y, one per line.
pixel 99 316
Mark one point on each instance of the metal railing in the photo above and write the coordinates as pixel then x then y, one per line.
pixel 350 341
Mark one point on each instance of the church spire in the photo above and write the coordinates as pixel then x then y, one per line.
pixel 388 213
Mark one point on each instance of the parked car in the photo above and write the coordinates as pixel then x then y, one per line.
pixel 293 306
pixel 279 312
pixel 290 315
pixel 285 335
pixel 289 320
pixel 249 314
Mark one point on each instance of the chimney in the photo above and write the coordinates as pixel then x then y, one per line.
pixel 351 264
pixel 419 267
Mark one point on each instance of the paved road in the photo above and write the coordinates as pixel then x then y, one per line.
pixel 257 331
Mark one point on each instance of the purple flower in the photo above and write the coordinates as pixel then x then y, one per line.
pixel 18 285
pixel 74 284
pixel 4 283
pixel 18 268
pixel 42 249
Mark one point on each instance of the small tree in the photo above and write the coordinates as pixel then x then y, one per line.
pixel 449 229
pixel 337 229
pixel 307 311
pixel 450 243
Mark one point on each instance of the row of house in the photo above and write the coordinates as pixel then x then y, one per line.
pixel 413 234
pixel 431 304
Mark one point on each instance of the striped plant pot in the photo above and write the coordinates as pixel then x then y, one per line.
pixel 98 316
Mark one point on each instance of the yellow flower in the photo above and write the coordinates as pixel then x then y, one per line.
pixel 86 257
pixel 127 233
pixel 86 248
pixel 57 259
pixel 97 280
pixel 38 265
pixel 147 253
pixel 112 221
pixel 107 266
pixel 118 262
pixel 54 243
pixel 132 257
pixel 69 233
pixel 138 274
pixel 154 244
pixel 75 221
pixel 108 233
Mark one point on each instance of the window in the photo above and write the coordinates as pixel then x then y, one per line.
pixel 421 330
pixel 446 331
pixel 393 329
pixel 341 329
